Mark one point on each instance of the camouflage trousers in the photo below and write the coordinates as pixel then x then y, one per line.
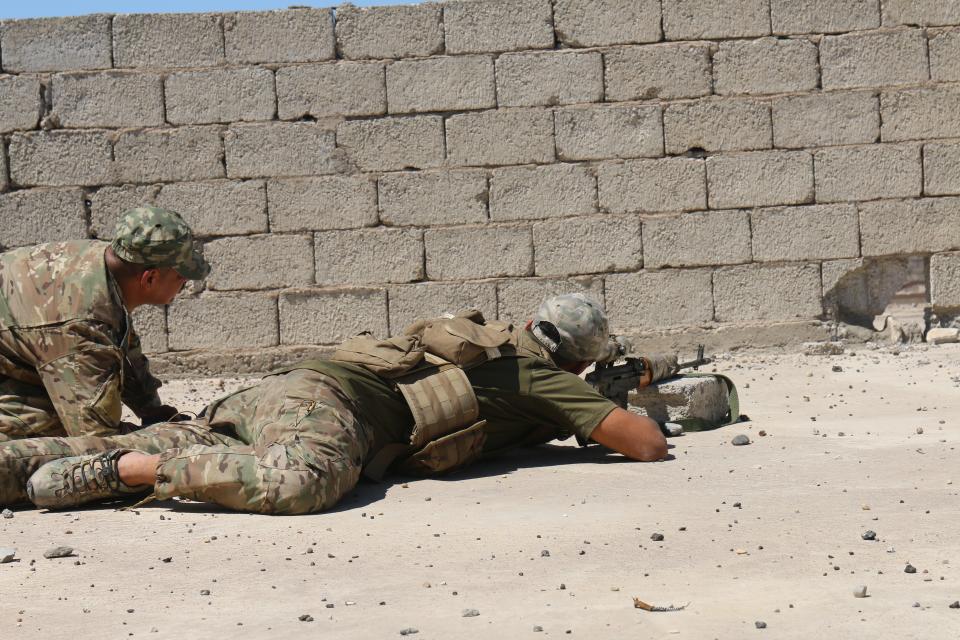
pixel 289 445
pixel 26 411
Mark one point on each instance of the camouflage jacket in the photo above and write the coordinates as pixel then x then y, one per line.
pixel 63 326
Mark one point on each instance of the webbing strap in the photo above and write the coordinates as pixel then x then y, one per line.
pixel 733 403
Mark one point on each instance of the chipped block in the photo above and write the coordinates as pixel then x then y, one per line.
pixel 767 65
pixel 664 71
pixel 691 239
pixel 945 280
pixel 168 40
pixel 650 186
pixel 473 26
pixel 364 256
pixel 910 226
pixel 449 83
pixel 652 300
pixel 404 31
pixel 941 169
pixel 821 232
pixel 591 23
pixel 107 204
pixel 294 35
pixel 587 245
pixel 548 191
pixel 269 261
pixel 717 125
pixel 220 95
pixel 823 16
pixel 311 316
pixel 391 144
pixel 433 197
pixel 56 44
pixel 61 158
pixel 500 137
pixel 704 19
pixel 210 321
pixel 461 253
pixel 868 172
pixel 331 89
pixel 945 56
pixel 32 216
pixel 595 133
pixel 281 149
pixel 322 203
pixel 917 114
pixel 921 12
pixel 549 78
pixel 874 59
pixel 825 119
pixel 169 155
pixel 682 398
pixel 20 103
pixel 755 292
pixel 107 99
pixel 759 179
pixel 519 299
pixel 411 302
pixel 218 207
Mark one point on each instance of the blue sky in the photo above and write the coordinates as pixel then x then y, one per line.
pixel 33 9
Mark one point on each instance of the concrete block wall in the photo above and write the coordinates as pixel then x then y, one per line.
pixel 700 166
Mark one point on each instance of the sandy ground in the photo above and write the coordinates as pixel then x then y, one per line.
pixel 557 541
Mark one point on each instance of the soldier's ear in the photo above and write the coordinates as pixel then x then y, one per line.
pixel 149 278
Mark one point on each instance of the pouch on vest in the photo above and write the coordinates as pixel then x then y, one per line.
pixel 447 453
pixel 441 401
pixel 464 342
pixel 388 358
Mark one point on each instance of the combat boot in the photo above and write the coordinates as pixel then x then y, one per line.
pixel 76 480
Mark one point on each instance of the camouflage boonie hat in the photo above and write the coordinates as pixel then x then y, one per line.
pixel 572 327
pixel 159 238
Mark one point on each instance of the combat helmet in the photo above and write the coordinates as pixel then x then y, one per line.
pixel 573 327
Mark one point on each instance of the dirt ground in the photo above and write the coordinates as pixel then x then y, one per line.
pixel 556 541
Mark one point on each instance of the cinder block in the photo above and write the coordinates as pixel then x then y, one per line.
pixel 868 173
pixel 363 256
pixel 759 179
pixel 168 40
pixel 705 19
pixel 41 215
pixel 518 300
pixel 389 32
pixel 433 197
pixel 767 65
pixel 945 56
pixel 664 71
pixel 56 44
pixel 910 226
pixel 921 12
pixel 478 252
pixel 294 35
pixel 921 113
pixel 220 207
pixel 311 316
pixel 500 137
pixel 107 99
pixel 329 202
pixel 393 144
pixel 269 261
pixel 650 186
pixel 549 78
pixel 281 149
pixel 697 239
pixel 150 324
pixel 60 158
pixel 945 280
pixel 592 23
pixel 107 204
pixel 824 119
pixel 220 95
pixel 717 125
pixel 587 245
pixel 822 232
pixel 331 89
pixel 651 300
pixel 473 26
pixel 441 84
pixel 941 169
pixel 823 16
pixel 766 292
pixel 209 321
pixel 874 59
pixel 411 302
pixel 169 155
pixel 682 398
pixel 552 191
pixel 20 103
pixel 609 132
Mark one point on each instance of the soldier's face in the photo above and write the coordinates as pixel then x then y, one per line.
pixel 162 285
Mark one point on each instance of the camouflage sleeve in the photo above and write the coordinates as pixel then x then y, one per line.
pixel 84 387
pixel 139 386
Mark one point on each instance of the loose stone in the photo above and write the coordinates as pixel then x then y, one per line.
pixel 7 555
pixel 58 552
pixel 909 569
pixel 409 631
pixel 470 613
pixel 7 513
pixel 860 592
pixel 760 624
pixel 868 535
pixel 657 537
pixel 306 618
pixel 740 440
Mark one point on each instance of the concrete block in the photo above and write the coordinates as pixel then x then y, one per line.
pixel 920 113
pixel 910 226
pixel 765 292
pixel 220 95
pixel 168 40
pixel 441 84
pixel 281 149
pixel 363 256
pixel 941 169
pixel 706 19
pixel 945 56
pixel 212 321
pixel 478 252
pixel 767 65
pixel 323 203
pixel 20 103
pixel 60 158
pixel 587 245
pixel 150 324
pixel 921 12
pixel 651 300
pixel 822 232
pixel 664 71
pixel 609 132
pixel 56 44
pixel 107 204
pixel 592 23
pixel 697 239
pixel 945 280
pixel 41 215
pixel 311 316
pixel 500 137
pixel 825 119
pixel 404 31
pixel 549 78
pixel 518 300
pixel 823 16
pixel 411 302
pixel 433 197
pixel 169 155
pixel 717 125
pixel 219 207
pixel 331 89
pixel 682 398
pixel 477 26
pixel 552 191
pixel 942 335
pixel 868 173
pixel 107 99
pixel 294 35
pixel 874 59
pixel 393 144
pixel 269 261
pixel 759 179
pixel 650 186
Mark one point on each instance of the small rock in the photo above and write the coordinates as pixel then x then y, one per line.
pixel 204 592
pixel 7 514
pixel 868 535
pixel 943 335
pixel 409 631
pixel 760 624
pixel 7 555
pixel 470 613
pixel 306 618
pixel 58 552
pixel 836 368
pixel 657 537
pixel 545 554
pixel 762 433
pixel 860 592
pixel 740 440
pixel 672 429
pixel 909 569
pixel 537 628
pixel 823 348
pixel 955 604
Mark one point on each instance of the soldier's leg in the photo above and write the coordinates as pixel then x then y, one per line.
pixel 26 412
